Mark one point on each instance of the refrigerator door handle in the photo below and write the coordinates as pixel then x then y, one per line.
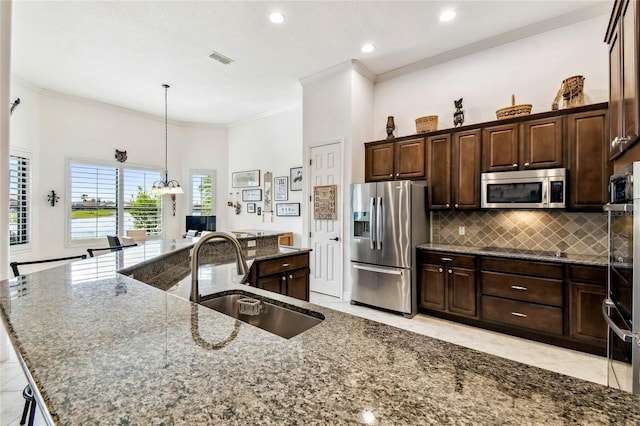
pixel 624 335
pixel 372 224
pixel 380 270
pixel 379 223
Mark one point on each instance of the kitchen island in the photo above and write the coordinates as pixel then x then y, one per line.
pixel 105 348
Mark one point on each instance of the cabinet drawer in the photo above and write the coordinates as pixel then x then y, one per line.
pixel 522 314
pixel 525 267
pixel 528 289
pixel 595 275
pixel 444 258
pixel 281 264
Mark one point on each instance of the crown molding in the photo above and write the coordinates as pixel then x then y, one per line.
pixel 349 65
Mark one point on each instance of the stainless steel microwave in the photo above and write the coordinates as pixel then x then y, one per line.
pixel 527 189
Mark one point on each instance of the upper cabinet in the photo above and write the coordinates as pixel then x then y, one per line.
pixel 623 37
pixel 453 170
pixel 534 144
pixel 389 160
pixel 588 164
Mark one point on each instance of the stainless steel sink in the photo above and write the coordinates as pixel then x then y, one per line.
pixel 275 318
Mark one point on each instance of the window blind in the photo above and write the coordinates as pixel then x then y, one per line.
pixel 202 185
pixel 18 200
pixel 142 210
pixel 94 201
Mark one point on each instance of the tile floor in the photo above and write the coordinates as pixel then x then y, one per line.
pixel 564 361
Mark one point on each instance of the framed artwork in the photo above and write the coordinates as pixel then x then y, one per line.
pixel 324 202
pixel 252 195
pixel 288 209
pixel 295 176
pixel 251 207
pixel 281 190
pixel 245 179
pixel 267 208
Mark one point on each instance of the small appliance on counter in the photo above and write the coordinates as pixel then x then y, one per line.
pixel 388 220
pixel 621 308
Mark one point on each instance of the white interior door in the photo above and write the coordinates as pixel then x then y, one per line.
pixel 326 241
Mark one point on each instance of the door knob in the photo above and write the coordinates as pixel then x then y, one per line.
pixel 335 239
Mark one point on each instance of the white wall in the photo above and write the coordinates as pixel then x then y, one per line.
pixel 271 143
pixel 5 78
pixel 531 68
pixel 55 127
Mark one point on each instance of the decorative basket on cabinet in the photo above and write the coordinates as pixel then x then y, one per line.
pixel 427 123
pixel 514 110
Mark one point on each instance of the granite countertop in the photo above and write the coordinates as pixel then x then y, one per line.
pixel 104 348
pixel 513 253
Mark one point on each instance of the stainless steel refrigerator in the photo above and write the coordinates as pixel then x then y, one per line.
pixel 388 220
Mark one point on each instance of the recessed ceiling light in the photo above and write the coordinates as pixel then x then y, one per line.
pixel 447 15
pixel 368 48
pixel 276 18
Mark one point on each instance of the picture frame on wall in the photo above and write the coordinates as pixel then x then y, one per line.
pixel 245 179
pixel 251 207
pixel 281 188
pixel 295 178
pixel 252 195
pixel 287 209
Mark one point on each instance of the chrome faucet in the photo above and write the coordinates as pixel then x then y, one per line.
pixel 243 268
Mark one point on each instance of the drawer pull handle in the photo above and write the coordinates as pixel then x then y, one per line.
pixel 285 265
pixel 446 259
pixel 450 271
pixel 518 314
pixel 439 269
pixel 518 287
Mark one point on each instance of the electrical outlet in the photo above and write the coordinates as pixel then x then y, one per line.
pixel 251 253
pixel 251 243
pixel 460 230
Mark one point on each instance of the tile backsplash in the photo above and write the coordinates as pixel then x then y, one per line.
pixel 575 233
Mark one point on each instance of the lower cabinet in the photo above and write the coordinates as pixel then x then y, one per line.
pixel 553 302
pixel 448 283
pixel 288 275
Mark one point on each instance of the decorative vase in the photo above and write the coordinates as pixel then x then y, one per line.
pixel 391 126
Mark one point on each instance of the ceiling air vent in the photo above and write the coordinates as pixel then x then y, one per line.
pixel 220 58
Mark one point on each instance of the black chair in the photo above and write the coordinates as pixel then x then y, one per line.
pixel 114 242
pixel 16 272
pixel 91 251
pixel 29 406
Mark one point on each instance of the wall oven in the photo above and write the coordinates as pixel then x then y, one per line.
pixel 621 308
pixel 527 189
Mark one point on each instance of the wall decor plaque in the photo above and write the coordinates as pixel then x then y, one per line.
pixel 251 194
pixel 324 202
pixel 287 209
pixel 281 188
pixel 245 179
pixel 268 192
pixel 295 178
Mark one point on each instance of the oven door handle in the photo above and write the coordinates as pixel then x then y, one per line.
pixel 624 335
pixel 625 207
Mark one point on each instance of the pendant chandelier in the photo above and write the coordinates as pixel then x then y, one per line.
pixel 166 186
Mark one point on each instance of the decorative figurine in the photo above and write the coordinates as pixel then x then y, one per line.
pixel 458 115
pixel 391 126
pixel 121 156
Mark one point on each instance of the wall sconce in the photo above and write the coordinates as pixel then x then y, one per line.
pixel 53 198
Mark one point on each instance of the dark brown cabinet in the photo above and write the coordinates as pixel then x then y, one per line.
pixel 588 164
pixel 553 302
pixel 403 159
pixel 587 290
pixel 453 172
pixel 448 283
pixel 623 37
pixel 533 144
pixel 288 275
pixel 522 294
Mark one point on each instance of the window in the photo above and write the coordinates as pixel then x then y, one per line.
pixel 18 200
pixel 109 200
pixel 202 192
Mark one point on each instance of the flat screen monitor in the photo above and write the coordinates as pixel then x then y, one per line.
pixel 201 223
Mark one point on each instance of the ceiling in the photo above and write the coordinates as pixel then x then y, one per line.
pixel 121 52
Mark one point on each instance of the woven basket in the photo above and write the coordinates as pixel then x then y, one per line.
pixel 514 110
pixel 572 86
pixel 426 124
